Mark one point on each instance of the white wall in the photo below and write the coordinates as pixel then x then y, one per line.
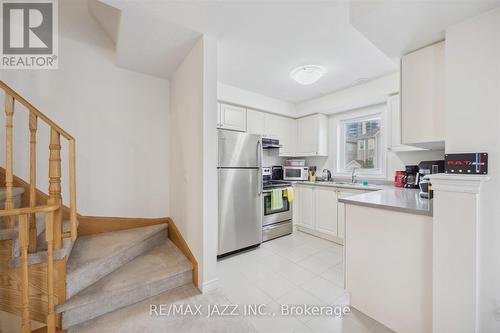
pixel 473 125
pixel 118 117
pixel 231 94
pixel 210 179
pixel 362 95
pixel 193 154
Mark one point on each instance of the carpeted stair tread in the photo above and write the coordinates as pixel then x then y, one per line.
pixel 163 268
pixel 95 256
pixel 8 234
pixel 41 243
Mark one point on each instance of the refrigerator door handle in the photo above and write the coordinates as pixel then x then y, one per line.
pixel 259 164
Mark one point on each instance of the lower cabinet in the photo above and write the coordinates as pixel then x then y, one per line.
pixel 316 210
pixel 325 207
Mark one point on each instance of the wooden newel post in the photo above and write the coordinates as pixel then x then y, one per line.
pixel 49 232
pixel 55 197
pixel 32 219
pixel 23 246
pixel 9 179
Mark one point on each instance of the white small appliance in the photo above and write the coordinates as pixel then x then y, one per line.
pixel 295 173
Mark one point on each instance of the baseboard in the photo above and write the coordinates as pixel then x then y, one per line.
pixel 91 225
pixel 209 286
pixel 176 237
pixel 331 238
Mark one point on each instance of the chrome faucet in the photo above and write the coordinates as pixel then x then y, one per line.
pixel 353 176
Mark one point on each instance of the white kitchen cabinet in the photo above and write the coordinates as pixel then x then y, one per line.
pixel 316 210
pixel 306 207
pixel 284 129
pixel 232 117
pixel 394 128
pixel 304 214
pixel 256 122
pixel 422 97
pixel 312 135
pixel 325 200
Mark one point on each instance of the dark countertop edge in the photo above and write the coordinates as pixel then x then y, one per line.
pixel 387 207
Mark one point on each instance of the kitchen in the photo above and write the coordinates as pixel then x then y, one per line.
pixel 329 174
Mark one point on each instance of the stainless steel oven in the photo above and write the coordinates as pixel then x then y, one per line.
pixel 275 222
pixel 277 215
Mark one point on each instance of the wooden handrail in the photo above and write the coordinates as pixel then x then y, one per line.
pixel 33 109
pixel 28 210
pixel 53 209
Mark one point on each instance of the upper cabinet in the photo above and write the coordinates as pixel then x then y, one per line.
pixel 312 136
pixel 232 117
pixel 394 128
pixel 255 122
pixel 284 129
pixel 422 97
pixel 299 137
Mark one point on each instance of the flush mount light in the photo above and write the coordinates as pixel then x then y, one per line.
pixel 307 74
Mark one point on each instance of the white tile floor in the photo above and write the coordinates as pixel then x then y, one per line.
pixel 295 269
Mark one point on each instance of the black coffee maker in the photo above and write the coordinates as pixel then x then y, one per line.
pixel 412 177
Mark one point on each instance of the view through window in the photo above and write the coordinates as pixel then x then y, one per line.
pixel 361 143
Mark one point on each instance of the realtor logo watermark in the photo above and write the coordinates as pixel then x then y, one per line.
pixel 29 34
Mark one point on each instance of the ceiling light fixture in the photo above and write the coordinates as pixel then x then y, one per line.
pixel 307 74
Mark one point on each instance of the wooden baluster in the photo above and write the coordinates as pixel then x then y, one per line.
pixel 23 245
pixel 72 188
pixel 9 179
pixel 49 237
pixel 55 185
pixel 33 128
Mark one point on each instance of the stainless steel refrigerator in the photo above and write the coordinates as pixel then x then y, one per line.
pixel 240 191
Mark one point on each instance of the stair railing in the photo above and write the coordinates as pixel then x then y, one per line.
pixel 26 217
pixel 55 174
pixel 23 215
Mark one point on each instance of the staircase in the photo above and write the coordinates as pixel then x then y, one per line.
pixel 51 274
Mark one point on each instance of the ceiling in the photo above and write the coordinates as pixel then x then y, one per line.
pixel 261 42
pixel 399 27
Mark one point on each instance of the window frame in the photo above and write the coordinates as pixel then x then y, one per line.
pixel 361 115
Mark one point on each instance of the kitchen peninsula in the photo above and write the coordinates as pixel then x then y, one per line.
pixel 388 257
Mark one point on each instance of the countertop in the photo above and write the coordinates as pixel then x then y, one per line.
pixel 396 199
pixel 347 185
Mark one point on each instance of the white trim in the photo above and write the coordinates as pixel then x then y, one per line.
pixel 457 183
pixel 209 286
pixel 370 112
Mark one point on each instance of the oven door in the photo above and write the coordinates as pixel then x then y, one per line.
pixel 277 215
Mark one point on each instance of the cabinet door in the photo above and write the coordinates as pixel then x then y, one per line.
pixel 422 95
pixel 394 128
pixel 255 122
pixel 288 136
pixel 233 117
pixel 306 207
pixel 312 138
pixel 307 136
pixel 326 211
pixel 272 126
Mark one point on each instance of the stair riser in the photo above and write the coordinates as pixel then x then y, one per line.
pixel 97 270
pixel 109 303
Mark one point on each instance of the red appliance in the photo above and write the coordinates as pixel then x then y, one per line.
pixel 400 178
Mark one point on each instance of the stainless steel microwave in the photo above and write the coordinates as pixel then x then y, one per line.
pixel 295 173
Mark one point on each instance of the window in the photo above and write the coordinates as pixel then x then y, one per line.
pixel 360 144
